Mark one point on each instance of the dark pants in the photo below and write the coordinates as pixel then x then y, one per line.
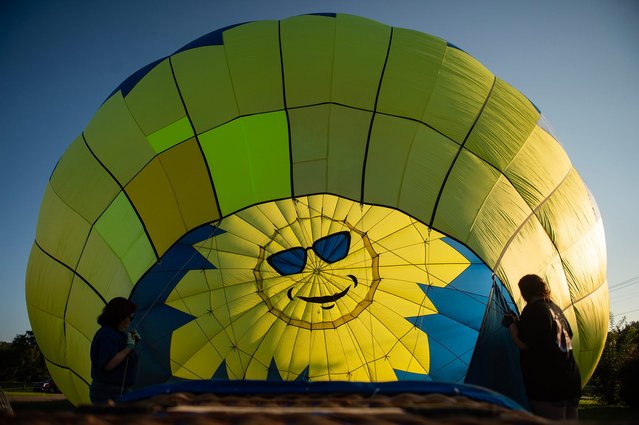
pixel 561 410
pixel 100 392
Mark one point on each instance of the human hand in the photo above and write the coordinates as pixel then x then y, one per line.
pixel 508 319
pixel 132 339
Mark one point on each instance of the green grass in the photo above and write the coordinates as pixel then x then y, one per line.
pixel 592 410
pixel 15 393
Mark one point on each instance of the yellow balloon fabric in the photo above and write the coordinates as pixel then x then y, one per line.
pixel 321 198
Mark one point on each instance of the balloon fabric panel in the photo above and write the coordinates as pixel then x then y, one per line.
pixel 204 79
pixel 411 73
pixel 155 100
pixel 116 140
pixel 258 160
pixel 253 56
pixel 98 189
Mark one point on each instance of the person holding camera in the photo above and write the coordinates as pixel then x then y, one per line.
pixel 544 336
pixel 113 357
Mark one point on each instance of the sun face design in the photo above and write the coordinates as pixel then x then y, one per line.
pixel 314 288
pixel 326 284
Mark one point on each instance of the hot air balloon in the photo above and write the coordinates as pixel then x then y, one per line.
pixel 321 198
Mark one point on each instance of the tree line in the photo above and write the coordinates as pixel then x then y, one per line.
pixel 615 381
pixel 21 360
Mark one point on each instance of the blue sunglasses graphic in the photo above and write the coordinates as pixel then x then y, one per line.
pixel 329 249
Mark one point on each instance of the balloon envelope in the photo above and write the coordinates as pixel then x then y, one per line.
pixel 322 198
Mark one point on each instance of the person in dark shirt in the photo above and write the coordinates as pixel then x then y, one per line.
pixel 544 336
pixel 113 358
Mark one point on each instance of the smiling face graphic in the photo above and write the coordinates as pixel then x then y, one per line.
pixel 315 288
pixel 326 284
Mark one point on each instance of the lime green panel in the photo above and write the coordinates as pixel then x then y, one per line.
pixel 585 263
pixel 76 392
pixel 516 261
pixel 117 141
pixel 428 162
pixel 461 89
pixel 121 229
pixel 188 174
pixel 465 191
pixel 414 62
pixel 79 347
pixel 389 147
pixel 555 274
pixel 171 135
pixel 103 269
pixel 83 308
pixel 61 232
pixel 407 163
pixel 539 167
pixel 569 212
pixel 81 395
pixel 152 194
pixel 47 288
pixel 498 219
pixel 531 251
pixel 308 48
pixel 253 54
pixel 249 160
pixel 360 52
pixel 205 82
pixel 593 314
pixel 505 124
pixel 82 182
pixel 155 101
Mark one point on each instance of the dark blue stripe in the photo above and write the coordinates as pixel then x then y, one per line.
pixel 298 387
pixel 328 14
pixel 449 44
pixel 128 84
pixel 214 38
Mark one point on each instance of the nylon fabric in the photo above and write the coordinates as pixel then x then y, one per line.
pixel 171 135
pixel 123 232
pixel 263 138
pixel 539 167
pixel 462 87
pixel 308 51
pixel 504 125
pixel 328 146
pixel 60 231
pixel 116 140
pixel 411 73
pixel 98 188
pixel 361 46
pixel 204 80
pixel 257 88
pixel 103 268
pixel 259 160
pixel 155 100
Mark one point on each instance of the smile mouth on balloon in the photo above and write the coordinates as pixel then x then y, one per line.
pixel 326 298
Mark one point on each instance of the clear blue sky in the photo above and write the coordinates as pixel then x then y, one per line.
pixel 577 60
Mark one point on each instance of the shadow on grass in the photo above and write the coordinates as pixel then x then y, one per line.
pixel 609 415
pixel 41 406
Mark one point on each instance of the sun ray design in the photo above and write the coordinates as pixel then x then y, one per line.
pixel 318 288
